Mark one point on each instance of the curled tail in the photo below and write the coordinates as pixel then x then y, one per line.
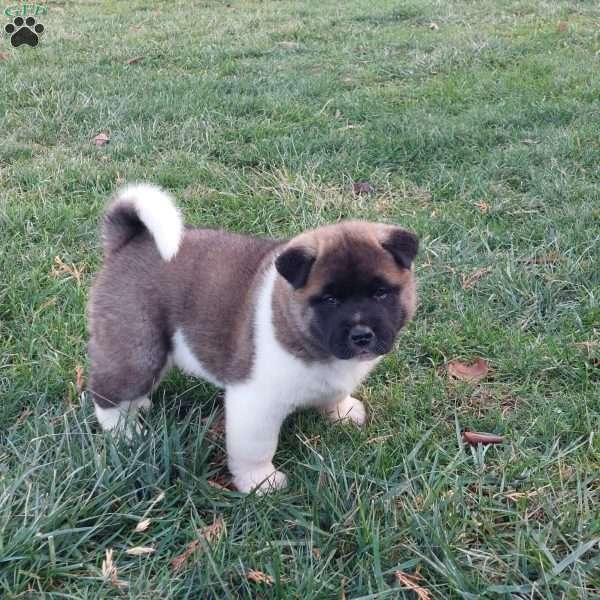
pixel 140 207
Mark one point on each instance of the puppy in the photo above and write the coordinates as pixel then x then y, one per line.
pixel 281 325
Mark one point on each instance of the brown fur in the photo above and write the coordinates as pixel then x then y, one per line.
pixel 358 242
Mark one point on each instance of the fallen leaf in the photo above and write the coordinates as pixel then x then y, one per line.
pixel 79 379
pixel 433 26
pixel 142 525
pixel 410 582
pixel 472 373
pixel 27 412
pixel 140 550
pixel 483 207
pixel 135 27
pixel 109 570
pixel 316 553
pixel 4 55
pixel 562 26
pixel 101 139
pixel 259 577
pixel 135 59
pixel 475 437
pixel 470 280
pixel 362 187
pixel 62 268
pixel 210 534
pixel 546 259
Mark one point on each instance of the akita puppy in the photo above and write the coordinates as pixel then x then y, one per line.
pixel 281 325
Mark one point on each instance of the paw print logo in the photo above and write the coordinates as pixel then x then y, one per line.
pixel 24 31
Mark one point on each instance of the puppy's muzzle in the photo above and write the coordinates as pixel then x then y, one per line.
pixel 361 338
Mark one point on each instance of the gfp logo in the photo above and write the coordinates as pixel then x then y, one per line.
pixel 24 28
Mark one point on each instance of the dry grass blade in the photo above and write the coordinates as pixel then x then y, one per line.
pixel 140 550
pixel 210 534
pixel 142 525
pixel 134 60
pixel 410 582
pixel 470 280
pixel 79 379
pixel 62 268
pixel 546 259
pixel 259 577
pixel 109 570
pixel 472 373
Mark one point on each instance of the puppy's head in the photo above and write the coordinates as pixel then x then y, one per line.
pixel 350 287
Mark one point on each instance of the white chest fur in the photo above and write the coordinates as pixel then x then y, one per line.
pixel 289 381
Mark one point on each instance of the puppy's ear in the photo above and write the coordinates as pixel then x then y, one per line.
pixel 402 245
pixel 294 264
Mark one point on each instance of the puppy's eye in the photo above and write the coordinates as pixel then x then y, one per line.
pixel 330 299
pixel 380 293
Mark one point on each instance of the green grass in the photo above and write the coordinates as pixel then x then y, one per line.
pixel 482 136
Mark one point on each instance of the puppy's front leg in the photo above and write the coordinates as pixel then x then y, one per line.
pixel 346 409
pixel 252 424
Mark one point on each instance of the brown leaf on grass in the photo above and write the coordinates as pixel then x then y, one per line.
pixel 142 525
pixel 475 437
pixel 471 373
pixel 109 571
pixel 140 550
pixel 135 28
pixel 27 412
pixel 410 582
pixel 79 379
pixel 62 268
pixel 4 55
pixel 562 26
pixel 259 577
pixel 546 259
pixel 483 207
pixel 316 553
pixel 101 139
pixel 210 534
pixel 362 187
pixel 470 280
pixel 134 60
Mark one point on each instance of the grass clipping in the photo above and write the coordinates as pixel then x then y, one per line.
pixel 208 535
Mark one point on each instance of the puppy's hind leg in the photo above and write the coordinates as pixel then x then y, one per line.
pixel 120 388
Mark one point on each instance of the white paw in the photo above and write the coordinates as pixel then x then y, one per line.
pixel 264 480
pixel 142 404
pixel 121 419
pixel 348 409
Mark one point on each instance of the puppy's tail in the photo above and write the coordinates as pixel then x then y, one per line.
pixel 138 208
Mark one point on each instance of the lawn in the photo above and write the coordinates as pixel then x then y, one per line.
pixel 477 125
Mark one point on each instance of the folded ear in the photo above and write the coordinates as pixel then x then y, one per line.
pixel 294 264
pixel 402 245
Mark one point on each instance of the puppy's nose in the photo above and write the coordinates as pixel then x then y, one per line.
pixel 361 336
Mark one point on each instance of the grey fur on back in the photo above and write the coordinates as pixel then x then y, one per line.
pixel 139 300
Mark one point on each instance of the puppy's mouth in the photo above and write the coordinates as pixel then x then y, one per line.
pixel 365 356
